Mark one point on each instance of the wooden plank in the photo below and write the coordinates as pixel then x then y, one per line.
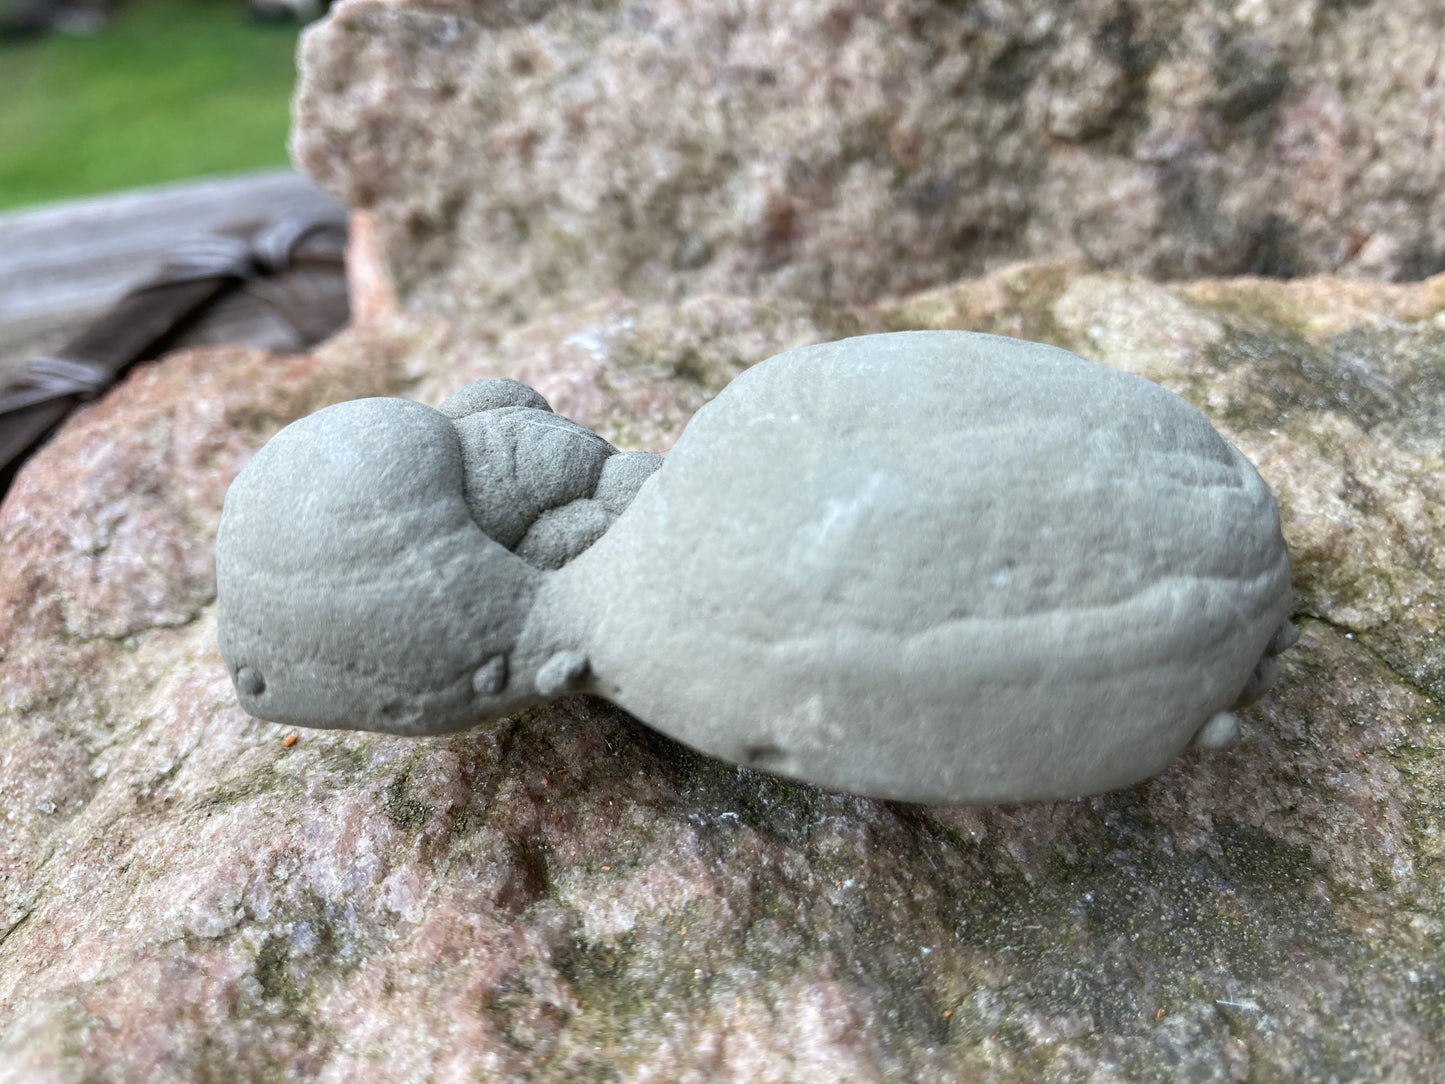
pixel 62 265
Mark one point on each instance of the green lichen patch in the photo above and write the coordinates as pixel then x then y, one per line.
pixel 405 811
pixel 1018 302
pixel 1391 375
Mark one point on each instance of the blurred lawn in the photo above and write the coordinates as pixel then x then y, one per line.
pixel 176 88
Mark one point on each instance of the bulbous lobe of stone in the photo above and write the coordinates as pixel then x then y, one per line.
pixel 347 573
pixel 1052 573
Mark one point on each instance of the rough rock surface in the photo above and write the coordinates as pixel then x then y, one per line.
pixel 533 154
pixel 186 894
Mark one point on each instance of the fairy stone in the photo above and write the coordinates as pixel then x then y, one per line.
pixel 931 566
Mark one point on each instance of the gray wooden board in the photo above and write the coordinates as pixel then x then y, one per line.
pixel 63 264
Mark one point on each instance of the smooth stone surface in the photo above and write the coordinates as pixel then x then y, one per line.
pixel 1061 571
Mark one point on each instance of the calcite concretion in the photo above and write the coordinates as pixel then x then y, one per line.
pixel 188 894
pixel 1060 573
pixel 520 158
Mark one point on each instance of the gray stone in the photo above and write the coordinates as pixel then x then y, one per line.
pixel 347 571
pixel 1062 571
pixel 562 533
pixel 622 475
pixel 329 618
pixel 521 462
pixel 491 395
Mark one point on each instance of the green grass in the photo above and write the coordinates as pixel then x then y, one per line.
pixel 175 89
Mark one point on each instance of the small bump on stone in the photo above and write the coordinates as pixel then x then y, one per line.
pixel 1218 733
pixel 1261 680
pixel 491 677
pixel 1286 636
pixel 249 682
pixel 561 673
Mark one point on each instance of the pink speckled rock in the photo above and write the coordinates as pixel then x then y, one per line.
pixel 520 158
pixel 184 895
